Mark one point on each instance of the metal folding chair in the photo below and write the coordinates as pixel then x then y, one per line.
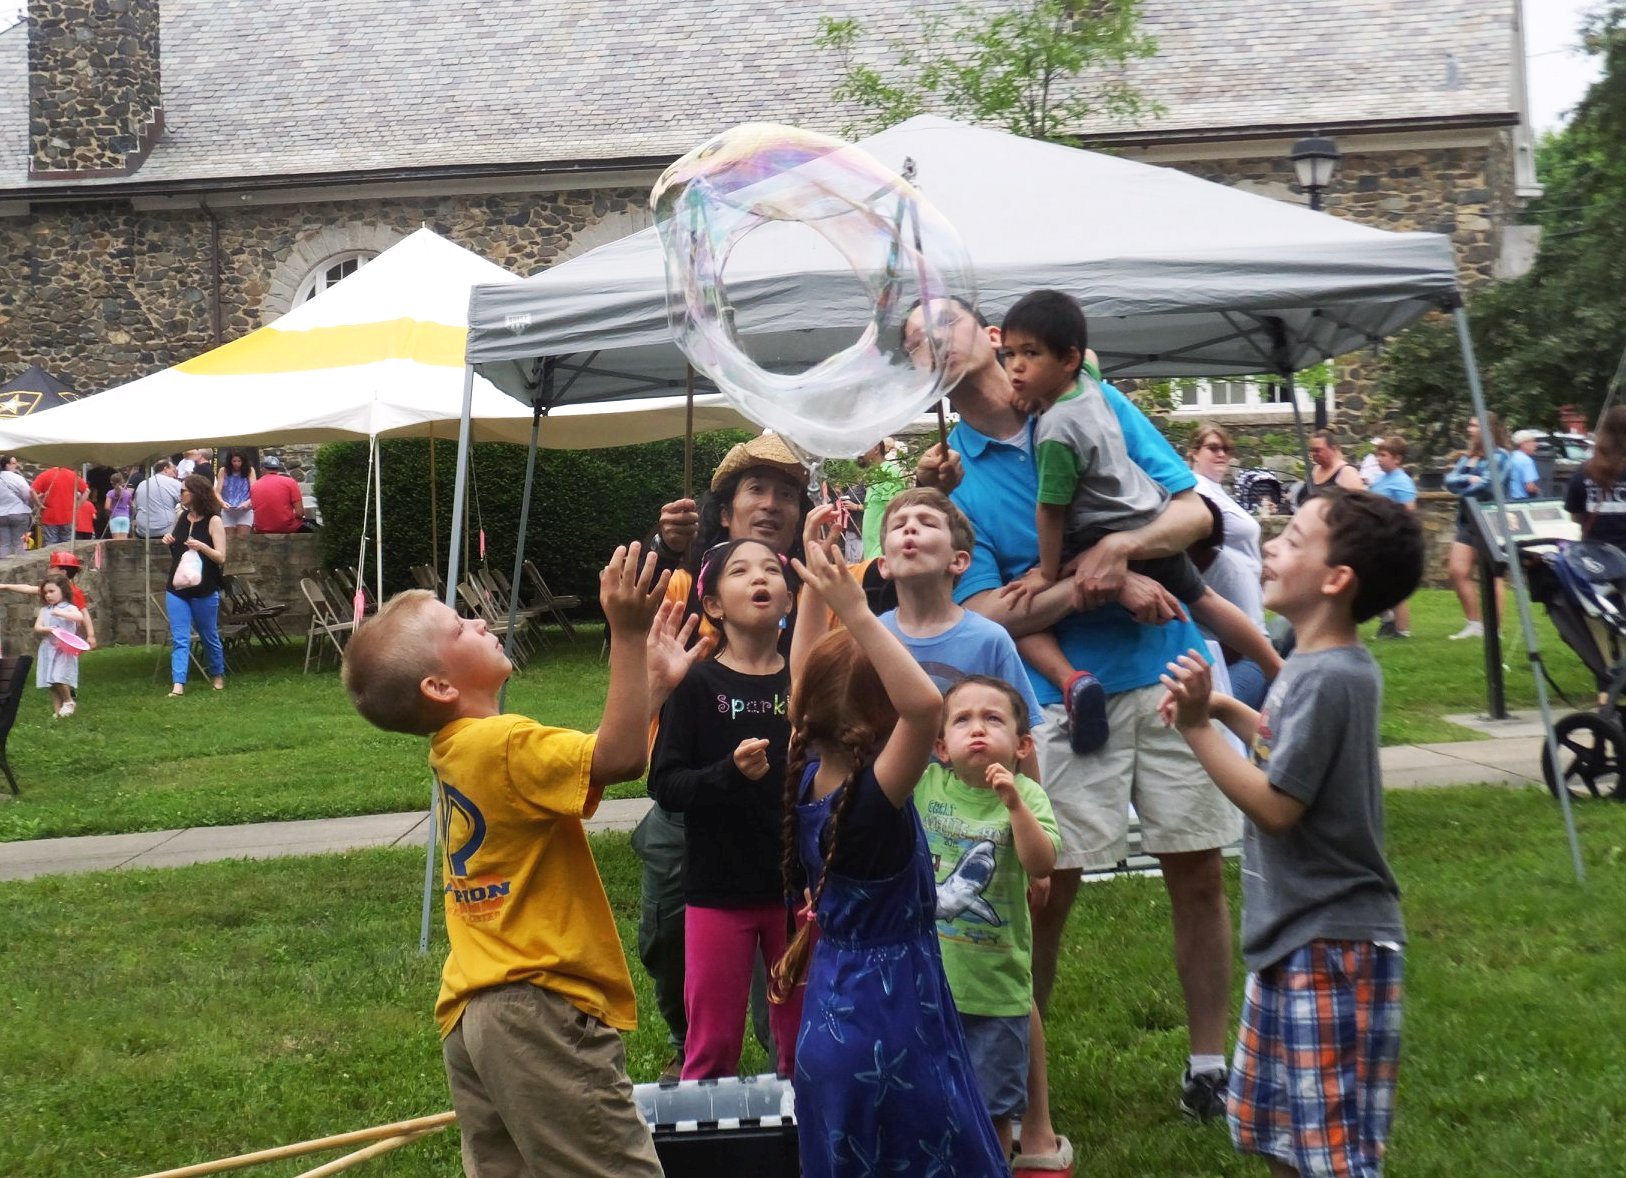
pixel 326 622
pixel 545 598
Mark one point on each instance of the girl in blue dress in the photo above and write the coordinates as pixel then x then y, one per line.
pixel 883 1081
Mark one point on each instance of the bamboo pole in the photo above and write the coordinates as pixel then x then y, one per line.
pixel 361 1155
pixel 378 1132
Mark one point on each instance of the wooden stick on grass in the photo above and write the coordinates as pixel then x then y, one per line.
pixel 361 1155
pixel 399 1128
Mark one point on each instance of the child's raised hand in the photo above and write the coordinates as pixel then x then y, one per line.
pixel 818 529
pixel 667 647
pixel 1003 782
pixel 1190 687
pixel 826 571
pixel 751 758
pixel 629 590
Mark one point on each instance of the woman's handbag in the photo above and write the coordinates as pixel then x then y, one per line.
pixel 189 572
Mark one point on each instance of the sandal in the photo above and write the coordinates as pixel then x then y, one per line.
pixel 176 692
pixel 1054 1164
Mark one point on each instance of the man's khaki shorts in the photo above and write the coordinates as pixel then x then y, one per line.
pixel 1142 763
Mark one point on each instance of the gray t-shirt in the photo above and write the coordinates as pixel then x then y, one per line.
pixel 1082 462
pixel 1326 878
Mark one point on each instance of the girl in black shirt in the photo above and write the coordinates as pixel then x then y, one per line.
pixel 720 761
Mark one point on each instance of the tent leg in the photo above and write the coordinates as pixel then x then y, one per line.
pixel 1298 424
pixel 378 520
pixel 459 492
pixel 519 547
pixel 1521 591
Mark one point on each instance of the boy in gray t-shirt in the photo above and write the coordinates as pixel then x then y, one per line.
pixel 1312 1081
pixel 1089 489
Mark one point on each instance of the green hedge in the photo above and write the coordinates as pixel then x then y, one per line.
pixel 584 504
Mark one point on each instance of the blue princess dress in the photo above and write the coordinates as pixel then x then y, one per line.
pixel 884 1083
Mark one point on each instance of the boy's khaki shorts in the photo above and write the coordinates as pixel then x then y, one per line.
pixel 541 1089
pixel 1142 763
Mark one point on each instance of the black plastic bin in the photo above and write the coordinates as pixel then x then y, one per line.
pixel 733 1128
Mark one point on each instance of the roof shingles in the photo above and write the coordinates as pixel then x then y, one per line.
pixel 256 87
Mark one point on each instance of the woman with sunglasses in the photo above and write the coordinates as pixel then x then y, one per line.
pixel 1235 569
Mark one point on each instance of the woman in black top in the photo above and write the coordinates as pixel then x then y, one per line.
pixel 198 529
pixel 1596 496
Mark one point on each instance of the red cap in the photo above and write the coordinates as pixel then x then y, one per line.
pixel 65 560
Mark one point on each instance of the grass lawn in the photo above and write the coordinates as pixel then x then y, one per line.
pixel 279 744
pixel 157 1018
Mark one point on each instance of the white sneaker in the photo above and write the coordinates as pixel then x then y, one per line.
pixel 1471 630
pixel 67 709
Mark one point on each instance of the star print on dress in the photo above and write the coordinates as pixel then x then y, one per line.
pixel 880 962
pixel 887 1074
pixel 941 1156
pixel 833 1013
pixel 872 1160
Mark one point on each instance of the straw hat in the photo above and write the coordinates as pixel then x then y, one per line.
pixel 764 450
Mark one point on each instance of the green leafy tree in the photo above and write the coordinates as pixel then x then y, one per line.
pixel 1034 68
pixel 1554 336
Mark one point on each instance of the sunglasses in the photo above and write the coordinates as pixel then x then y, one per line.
pixel 1217 447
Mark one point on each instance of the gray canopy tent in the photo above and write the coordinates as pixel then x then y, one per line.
pixel 1179 277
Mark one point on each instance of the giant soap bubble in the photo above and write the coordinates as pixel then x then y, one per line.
pixel 792 260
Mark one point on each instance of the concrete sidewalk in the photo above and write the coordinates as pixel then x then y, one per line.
pixel 1513 759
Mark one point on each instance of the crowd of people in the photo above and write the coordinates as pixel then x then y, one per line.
pixel 870 811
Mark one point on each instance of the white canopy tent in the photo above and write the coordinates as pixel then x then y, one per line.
pixel 1179 277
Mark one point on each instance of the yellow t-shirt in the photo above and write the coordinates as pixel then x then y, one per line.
pixel 524 902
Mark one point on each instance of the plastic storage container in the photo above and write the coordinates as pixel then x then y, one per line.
pixel 746 1123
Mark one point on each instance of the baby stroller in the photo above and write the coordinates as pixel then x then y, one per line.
pixel 1583 586
pixel 1260 492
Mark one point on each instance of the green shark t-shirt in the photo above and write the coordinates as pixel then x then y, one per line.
pixel 983 925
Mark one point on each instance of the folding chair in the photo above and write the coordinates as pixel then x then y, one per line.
pixel 481 606
pixel 246 604
pixel 326 622
pixel 496 587
pixel 13 682
pixel 425 577
pixel 545 598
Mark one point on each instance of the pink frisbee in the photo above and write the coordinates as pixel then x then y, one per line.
pixel 69 642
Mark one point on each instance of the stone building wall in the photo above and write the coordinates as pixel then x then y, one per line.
pixel 100 294
pixel 94 91
pixel 1438 512
pixel 1465 193
pixel 118 592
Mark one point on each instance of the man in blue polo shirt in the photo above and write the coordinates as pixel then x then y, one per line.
pixel 1185 821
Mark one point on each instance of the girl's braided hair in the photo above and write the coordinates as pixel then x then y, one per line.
pixel 839 702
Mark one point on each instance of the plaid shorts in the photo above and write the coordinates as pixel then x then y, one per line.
pixel 1313 1078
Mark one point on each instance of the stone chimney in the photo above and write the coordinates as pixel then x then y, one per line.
pixel 95 103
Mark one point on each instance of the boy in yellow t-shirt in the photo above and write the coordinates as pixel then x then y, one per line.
pixel 536 988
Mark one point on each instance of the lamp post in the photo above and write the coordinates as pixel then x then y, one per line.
pixel 1315 162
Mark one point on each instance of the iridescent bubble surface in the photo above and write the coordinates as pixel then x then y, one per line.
pixel 792 261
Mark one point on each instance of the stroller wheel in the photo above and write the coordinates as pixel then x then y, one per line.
pixel 1590 749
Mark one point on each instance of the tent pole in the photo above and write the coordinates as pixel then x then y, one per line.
pixel 378 520
pixel 459 491
pixel 1515 573
pixel 688 431
pixel 537 412
pixel 1282 356
pixel 434 505
pixel 146 568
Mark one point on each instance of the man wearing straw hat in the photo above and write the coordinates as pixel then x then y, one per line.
pixel 758 492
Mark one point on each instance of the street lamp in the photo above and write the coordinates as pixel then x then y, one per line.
pixel 1315 161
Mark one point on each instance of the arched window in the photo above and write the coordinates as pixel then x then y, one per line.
pixel 331 271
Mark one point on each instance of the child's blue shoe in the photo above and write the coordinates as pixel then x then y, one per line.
pixel 1086 702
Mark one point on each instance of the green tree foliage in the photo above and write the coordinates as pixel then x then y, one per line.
pixel 584 504
pixel 1554 336
pixel 1033 68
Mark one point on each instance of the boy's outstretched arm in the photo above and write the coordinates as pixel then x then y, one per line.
pixel 1187 704
pixel 631 594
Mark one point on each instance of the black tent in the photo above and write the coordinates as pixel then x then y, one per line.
pixel 32 391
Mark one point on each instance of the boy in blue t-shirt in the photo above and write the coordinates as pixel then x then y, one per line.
pixel 1394 483
pixel 1313 1078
